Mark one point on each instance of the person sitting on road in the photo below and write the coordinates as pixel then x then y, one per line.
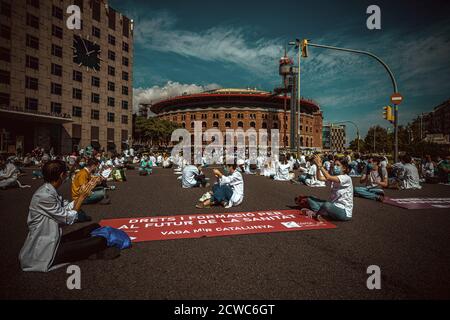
pixel 193 177
pixel 410 178
pixel 282 169
pixel 444 170
pixel 8 175
pixel 82 177
pixel 375 178
pixel 146 166
pixel 309 175
pixel 340 205
pixel 229 191
pixel 44 248
pixel 428 167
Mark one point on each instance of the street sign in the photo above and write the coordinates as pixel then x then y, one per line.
pixel 396 98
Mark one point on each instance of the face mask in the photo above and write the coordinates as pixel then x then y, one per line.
pixel 337 171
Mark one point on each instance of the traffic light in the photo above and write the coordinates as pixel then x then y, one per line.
pixel 388 114
pixel 304 46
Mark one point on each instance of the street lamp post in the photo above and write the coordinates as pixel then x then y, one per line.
pixel 391 75
pixel 298 47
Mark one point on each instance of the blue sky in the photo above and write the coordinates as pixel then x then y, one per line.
pixel 194 45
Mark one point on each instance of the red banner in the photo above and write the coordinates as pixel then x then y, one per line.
pixel 214 225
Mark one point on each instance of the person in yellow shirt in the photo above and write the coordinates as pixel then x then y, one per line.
pixel 84 176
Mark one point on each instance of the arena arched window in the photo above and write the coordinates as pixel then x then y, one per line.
pixel 192 125
pixel 183 125
pixel 203 124
pixel 228 124
pixel 301 141
pixel 253 124
pixel 240 124
pixel 215 124
pixel 264 125
pixel 275 125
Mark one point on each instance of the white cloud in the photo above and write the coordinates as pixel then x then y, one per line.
pixel 228 45
pixel 169 90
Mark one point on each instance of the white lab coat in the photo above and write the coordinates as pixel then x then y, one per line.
pixel 236 182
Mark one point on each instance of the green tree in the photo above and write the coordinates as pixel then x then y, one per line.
pixel 154 130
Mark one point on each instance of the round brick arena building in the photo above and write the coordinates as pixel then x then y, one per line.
pixel 243 108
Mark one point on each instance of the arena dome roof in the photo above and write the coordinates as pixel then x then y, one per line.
pixel 230 97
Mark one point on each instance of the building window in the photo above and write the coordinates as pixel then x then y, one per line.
pixel 192 125
pixel 124 119
pixel 111 40
pixel 57 51
pixel 4 99
pixel 110 117
pixel 125 46
pixel 31 104
pixel 95 97
pixel 275 125
pixel 56 69
pixel 32 21
pixel 253 124
pixel 33 3
pixel 95 32
pixel 264 125
pixel 183 125
pixel 56 88
pixel 240 124
pixel 57 12
pixel 5 9
pixel 126 26
pixel 124 104
pixel 56 107
pixel 110 134
pixel 95 133
pixel 193 116
pixel 95 114
pixel 111 102
pixel 95 82
pixel 31 83
pixel 125 90
pixel 228 124
pixel 77 76
pixel 5 54
pixel 96 10
pixel 112 19
pixel 32 62
pixel 111 71
pixel 77 94
pixel 5 32
pixel 203 124
pixel 111 86
pixel 124 75
pixel 5 77
pixel 125 61
pixel 32 42
pixel 57 31
pixel 76 112
pixel 111 55
pixel 215 124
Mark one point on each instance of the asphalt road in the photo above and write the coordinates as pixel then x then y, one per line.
pixel 410 246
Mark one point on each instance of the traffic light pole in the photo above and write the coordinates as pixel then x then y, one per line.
pixel 391 75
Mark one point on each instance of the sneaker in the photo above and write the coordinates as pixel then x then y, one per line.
pixel 228 205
